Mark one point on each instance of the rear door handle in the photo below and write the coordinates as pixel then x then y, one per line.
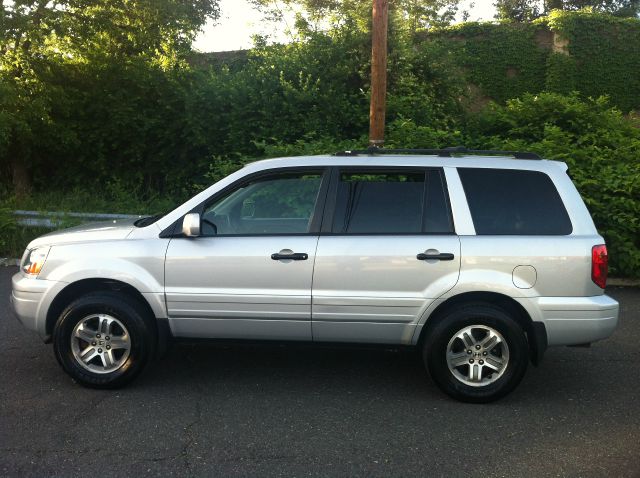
pixel 443 256
pixel 295 256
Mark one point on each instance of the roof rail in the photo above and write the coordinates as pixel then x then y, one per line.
pixel 445 152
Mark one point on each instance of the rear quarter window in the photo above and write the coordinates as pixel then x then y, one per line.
pixel 514 202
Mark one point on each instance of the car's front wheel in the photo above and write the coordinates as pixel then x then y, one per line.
pixel 476 353
pixel 103 340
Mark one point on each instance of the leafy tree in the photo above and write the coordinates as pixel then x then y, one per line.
pixel 625 8
pixel 408 15
pixel 517 10
pixel 39 37
pixel 527 10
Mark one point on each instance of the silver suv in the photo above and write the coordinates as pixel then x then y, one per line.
pixel 480 260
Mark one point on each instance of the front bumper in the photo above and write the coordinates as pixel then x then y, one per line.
pixel 27 297
pixel 577 320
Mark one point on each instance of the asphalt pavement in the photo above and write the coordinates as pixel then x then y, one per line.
pixel 272 410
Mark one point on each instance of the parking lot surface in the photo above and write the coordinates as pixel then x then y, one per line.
pixel 272 410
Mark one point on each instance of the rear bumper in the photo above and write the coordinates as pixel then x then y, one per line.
pixel 576 320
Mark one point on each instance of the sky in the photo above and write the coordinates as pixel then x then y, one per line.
pixel 239 22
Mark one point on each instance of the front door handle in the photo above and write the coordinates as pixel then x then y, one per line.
pixel 295 256
pixel 443 256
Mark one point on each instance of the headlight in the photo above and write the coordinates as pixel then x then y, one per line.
pixel 34 260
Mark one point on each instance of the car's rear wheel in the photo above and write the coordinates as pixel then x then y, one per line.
pixel 476 353
pixel 103 340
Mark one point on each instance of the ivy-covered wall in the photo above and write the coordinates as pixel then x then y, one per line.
pixel 503 61
pixel 605 53
pixel 594 54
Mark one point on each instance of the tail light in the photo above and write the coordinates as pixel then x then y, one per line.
pixel 599 265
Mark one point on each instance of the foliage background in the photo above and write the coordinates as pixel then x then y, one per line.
pixel 103 129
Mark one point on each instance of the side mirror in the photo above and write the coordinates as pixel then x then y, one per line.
pixel 191 225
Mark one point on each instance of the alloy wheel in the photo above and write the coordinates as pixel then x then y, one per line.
pixel 477 355
pixel 100 343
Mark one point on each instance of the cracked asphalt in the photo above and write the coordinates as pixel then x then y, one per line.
pixel 275 410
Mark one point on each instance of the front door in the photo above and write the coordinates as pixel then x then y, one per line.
pixel 387 251
pixel 249 273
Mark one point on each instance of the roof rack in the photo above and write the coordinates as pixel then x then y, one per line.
pixel 445 152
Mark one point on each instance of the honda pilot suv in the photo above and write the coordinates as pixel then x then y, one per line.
pixel 479 260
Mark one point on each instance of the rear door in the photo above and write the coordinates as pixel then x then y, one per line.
pixel 386 251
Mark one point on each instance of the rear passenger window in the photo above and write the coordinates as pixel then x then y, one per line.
pixel 514 202
pixel 437 218
pixel 381 202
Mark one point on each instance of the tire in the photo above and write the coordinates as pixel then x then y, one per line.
pixel 486 336
pixel 103 340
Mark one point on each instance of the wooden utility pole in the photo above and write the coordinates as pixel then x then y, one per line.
pixel 378 72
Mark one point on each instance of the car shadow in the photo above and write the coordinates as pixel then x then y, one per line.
pixel 300 368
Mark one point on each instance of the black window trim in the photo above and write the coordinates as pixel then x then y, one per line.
pixel 332 197
pixel 174 230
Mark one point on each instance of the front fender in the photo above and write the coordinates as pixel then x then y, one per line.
pixel 140 265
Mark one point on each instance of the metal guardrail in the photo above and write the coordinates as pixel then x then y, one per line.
pixel 55 219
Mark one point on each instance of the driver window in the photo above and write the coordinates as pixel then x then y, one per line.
pixel 277 204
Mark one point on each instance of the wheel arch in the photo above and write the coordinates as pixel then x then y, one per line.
pixel 535 331
pixel 84 286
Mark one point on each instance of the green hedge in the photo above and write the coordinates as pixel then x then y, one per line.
pixel 601 148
